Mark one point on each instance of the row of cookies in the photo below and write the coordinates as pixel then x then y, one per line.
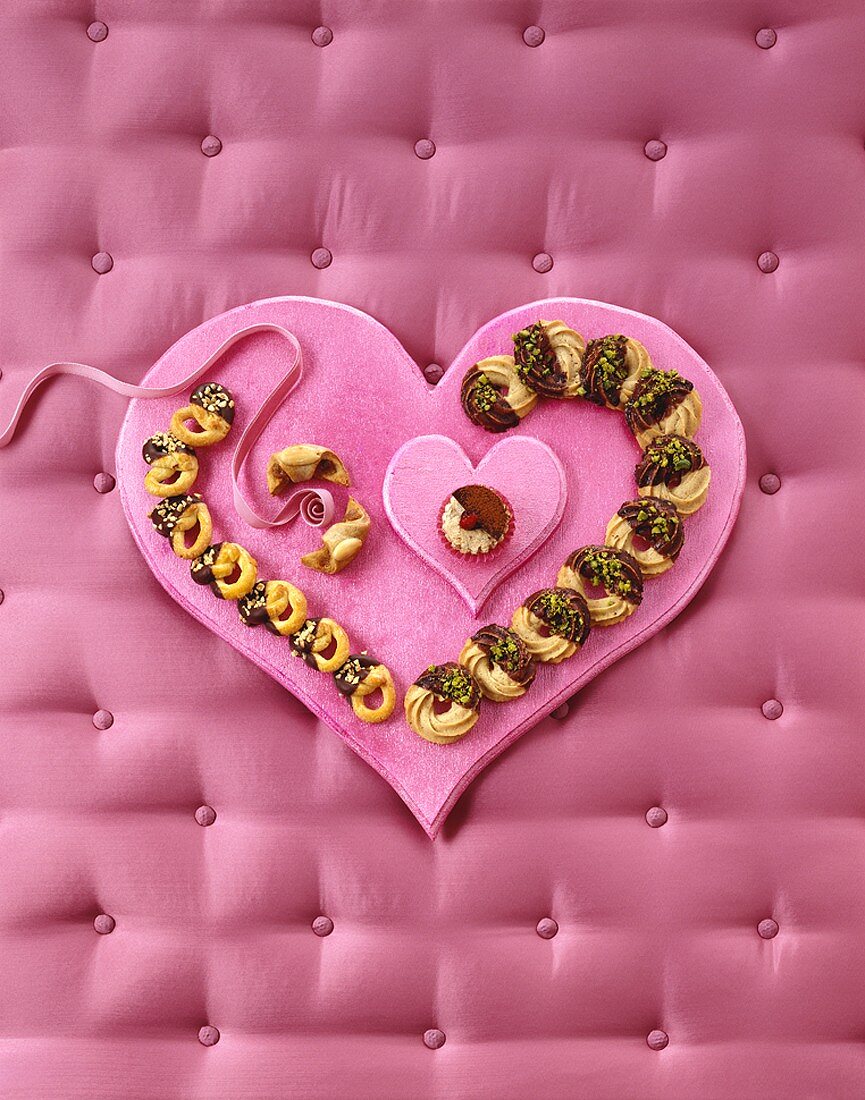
pixel 231 572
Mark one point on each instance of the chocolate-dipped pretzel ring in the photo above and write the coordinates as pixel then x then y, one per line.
pixel 610 369
pixel 615 571
pixel 276 605
pixel 322 644
pixel 654 522
pixel 663 403
pixel 358 679
pixel 227 568
pixel 494 396
pixel 547 356
pixel 500 662
pixel 673 468
pixel 442 705
pixel 553 623
pixel 211 407
pixel 186 522
pixel 173 465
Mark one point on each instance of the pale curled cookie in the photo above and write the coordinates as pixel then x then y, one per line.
pixel 500 662
pixel 303 462
pixel 614 572
pixel 442 705
pixel 548 355
pixel 358 679
pixel 341 542
pixel 674 469
pixel 553 622
pixel 650 530
pixel 322 644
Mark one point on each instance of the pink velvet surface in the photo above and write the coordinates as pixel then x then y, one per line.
pixel 737 729
pixel 362 397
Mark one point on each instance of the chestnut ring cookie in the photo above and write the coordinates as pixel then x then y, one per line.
pixel 211 407
pixel 615 571
pixel 673 468
pixel 358 679
pixel 663 403
pixel 173 465
pixel 610 369
pixel 553 623
pixel 654 521
pixel 494 396
pixel 500 662
pixel 182 519
pixel 276 605
pixel 229 569
pixel 442 705
pixel 322 644
pixel 548 355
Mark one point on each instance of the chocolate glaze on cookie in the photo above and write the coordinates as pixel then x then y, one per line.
pixel 537 363
pixel 166 515
pixel 201 569
pixel 484 404
pixel 656 521
pixel 451 681
pixel 302 642
pixel 613 570
pixel 508 651
pixel 666 460
pixel 252 607
pixel 214 399
pixel 656 394
pixel 564 611
pixel 353 673
pixel 603 370
pixel 161 444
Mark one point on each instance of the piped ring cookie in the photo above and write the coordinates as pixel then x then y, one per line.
pixel 673 468
pixel 276 605
pixel 358 679
pixel 663 403
pixel 553 623
pixel 173 465
pixel 442 705
pixel 494 396
pixel 610 369
pixel 614 571
pixel 548 355
pixel 650 530
pixel 500 662
pixel 185 520
pixel 229 569
pixel 211 408
pixel 322 644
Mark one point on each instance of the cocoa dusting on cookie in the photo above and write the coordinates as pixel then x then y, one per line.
pixel 487 507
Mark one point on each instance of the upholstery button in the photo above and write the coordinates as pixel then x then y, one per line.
pixel 322 36
pixel 655 150
pixel 547 928
pixel 433 1038
pixel 103 719
pixel 2 596
pixel 102 263
pixel 211 146
pixel 103 483
pixel 765 38
pixel 97 31
pixel 768 928
pixel 533 36
pixel 205 815
pixel 767 262
pixel 561 712
pixel 770 483
pixel 772 709
pixel 322 926
pixel 656 817
pixel 425 148
pixel 657 1040
pixel 104 924
pixel 208 1036
pixel 543 262
pixel 321 257
pixel 433 373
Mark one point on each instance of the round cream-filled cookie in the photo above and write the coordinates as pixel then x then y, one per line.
pixel 650 530
pixel 613 571
pixel 610 369
pixel 548 355
pixel 674 469
pixel 494 396
pixel 443 704
pixel 500 662
pixel 553 623
pixel 475 519
pixel 663 403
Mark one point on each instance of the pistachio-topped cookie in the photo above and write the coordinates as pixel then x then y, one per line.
pixel 442 705
pixel 186 522
pixel 173 465
pixel 548 355
pixel 553 622
pixel 500 662
pixel 663 403
pixel 358 679
pixel 211 408
pixel 494 396
pixel 610 368
pixel 674 469
pixel 653 522
pixel 614 571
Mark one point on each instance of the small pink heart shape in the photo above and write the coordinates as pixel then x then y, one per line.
pixel 426 470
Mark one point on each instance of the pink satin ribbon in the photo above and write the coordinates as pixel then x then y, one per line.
pixel 315 506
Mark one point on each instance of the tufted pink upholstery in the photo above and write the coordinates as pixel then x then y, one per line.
pixel 709 783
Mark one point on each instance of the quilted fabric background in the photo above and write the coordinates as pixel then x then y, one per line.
pixel 203 892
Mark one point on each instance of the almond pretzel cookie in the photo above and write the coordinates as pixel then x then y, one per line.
pixel 615 571
pixel 211 407
pixel 227 568
pixel 178 519
pixel 674 469
pixel 442 705
pixel 553 623
pixel 654 521
pixel 548 356
pixel 358 679
pixel 173 465
pixel 322 644
pixel 500 662
pixel 276 605
pixel 494 396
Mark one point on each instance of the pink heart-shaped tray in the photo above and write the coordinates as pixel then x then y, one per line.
pixel 365 398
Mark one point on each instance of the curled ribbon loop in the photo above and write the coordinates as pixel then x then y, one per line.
pixel 314 506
